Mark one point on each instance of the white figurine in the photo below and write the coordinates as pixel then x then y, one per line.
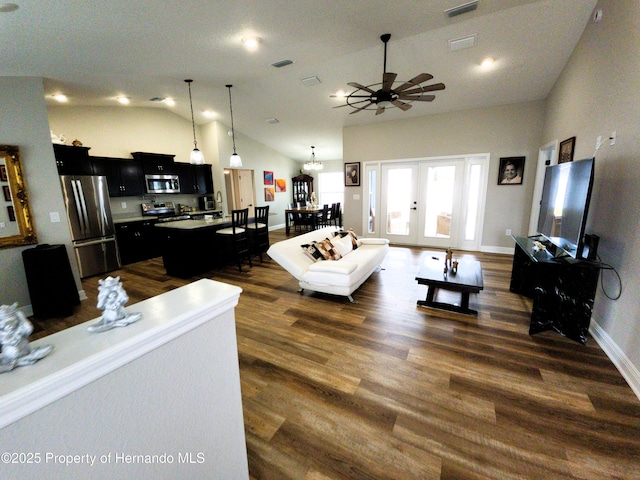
pixel 14 333
pixel 111 299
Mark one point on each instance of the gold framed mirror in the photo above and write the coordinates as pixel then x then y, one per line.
pixel 16 220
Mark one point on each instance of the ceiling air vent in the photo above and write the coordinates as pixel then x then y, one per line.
pixel 310 81
pixel 460 9
pixel 463 42
pixel 282 63
pixel 272 121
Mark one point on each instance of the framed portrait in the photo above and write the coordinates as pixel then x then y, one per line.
pixel 352 174
pixel 12 214
pixel 7 193
pixel 268 177
pixel 269 194
pixel 566 150
pixel 511 171
pixel 281 185
pixel 3 173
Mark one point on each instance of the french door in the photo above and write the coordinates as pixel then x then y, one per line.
pixel 432 202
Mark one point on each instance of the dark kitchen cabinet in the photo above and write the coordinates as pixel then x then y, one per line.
pixel 156 163
pixel 124 176
pixel 137 241
pixel 195 178
pixel 72 160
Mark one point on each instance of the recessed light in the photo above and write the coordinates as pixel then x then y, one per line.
pixel 123 100
pixel 208 113
pixel 169 101
pixel 251 43
pixel 8 7
pixel 59 97
pixel 341 93
pixel 488 62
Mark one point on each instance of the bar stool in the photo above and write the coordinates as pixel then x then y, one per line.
pixel 237 235
pixel 259 231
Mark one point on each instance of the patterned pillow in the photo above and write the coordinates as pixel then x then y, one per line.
pixel 329 252
pixel 311 251
pixel 354 239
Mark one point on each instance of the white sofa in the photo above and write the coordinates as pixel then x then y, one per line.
pixel 338 277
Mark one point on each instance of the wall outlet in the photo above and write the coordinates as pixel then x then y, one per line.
pixel 612 138
pixel 3 225
pixel 54 216
pixel 508 232
pixel 123 205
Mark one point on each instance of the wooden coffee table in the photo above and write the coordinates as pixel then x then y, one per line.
pixel 468 279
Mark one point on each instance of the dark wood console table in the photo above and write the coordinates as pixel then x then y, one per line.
pixel 562 288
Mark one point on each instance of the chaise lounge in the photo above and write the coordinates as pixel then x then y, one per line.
pixel 338 267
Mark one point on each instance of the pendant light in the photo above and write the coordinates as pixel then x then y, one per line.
pixel 235 161
pixel 312 164
pixel 196 157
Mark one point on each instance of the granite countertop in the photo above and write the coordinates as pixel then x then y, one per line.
pixel 194 224
pixel 128 218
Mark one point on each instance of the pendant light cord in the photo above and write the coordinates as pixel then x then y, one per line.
pixel 193 123
pixel 233 131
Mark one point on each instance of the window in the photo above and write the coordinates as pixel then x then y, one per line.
pixel 330 188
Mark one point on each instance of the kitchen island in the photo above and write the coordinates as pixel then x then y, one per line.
pixel 190 247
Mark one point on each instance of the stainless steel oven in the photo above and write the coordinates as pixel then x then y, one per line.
pixel 162 183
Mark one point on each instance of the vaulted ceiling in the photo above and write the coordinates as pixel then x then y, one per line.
pixel 143 49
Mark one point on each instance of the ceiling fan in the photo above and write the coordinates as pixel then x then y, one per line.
pixel 388 97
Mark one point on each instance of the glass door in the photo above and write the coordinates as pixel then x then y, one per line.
pixel 399 205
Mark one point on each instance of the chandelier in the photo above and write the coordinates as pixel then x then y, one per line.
pixel 312 163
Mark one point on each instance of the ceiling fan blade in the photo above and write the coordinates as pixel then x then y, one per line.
pixel 417 98
pixel 426 88
pixel 351 104
pixel 401 105
pixel 361 108
pixel 417 80
pixel 387 81
pixel 360 87
pixel 379 110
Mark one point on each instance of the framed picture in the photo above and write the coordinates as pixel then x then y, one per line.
pixel 269 194
pixel 352 174
pixel 268 177
pixel 281 185
pixel 7 193
pixel 566 150
pixel 3 173
pixel 511 171
pixel 12 214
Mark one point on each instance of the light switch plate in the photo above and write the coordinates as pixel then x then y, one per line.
pixel 356 196
pixel 54 216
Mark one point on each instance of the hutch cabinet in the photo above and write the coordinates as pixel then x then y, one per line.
pixel 302 186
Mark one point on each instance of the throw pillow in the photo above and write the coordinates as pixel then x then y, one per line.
pixel 351 234
pixel 342 244
pixel 329 252
pixel 311 251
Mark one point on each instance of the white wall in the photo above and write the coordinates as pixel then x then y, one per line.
pixel 596 94
pixel 503 131
pixel 23 122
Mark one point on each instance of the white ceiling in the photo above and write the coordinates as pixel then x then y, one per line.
pixel 94 51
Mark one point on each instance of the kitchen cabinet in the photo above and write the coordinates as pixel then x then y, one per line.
pixel 195 178
pixel 72 160
pixel 156 163
pixel 137 241
pixel 124 176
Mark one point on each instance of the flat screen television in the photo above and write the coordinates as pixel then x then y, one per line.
pixel 565 203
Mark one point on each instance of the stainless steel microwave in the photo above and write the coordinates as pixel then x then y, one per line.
pixel 162 183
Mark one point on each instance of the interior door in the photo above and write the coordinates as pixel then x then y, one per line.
pixel 399 205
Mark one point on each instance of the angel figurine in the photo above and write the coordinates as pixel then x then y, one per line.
pixel 14 333
pixel 112 298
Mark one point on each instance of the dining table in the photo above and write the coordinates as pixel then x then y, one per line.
pixel 311 212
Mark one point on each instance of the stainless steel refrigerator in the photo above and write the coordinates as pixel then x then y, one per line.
pixel 92 231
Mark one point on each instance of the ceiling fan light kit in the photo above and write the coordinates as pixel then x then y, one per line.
pixel 385 96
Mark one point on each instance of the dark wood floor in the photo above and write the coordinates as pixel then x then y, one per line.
pixel 383 389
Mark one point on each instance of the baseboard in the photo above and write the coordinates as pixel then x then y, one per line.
pixel 626 368
pixel 502 250
pixel 82 294
pixel 276 227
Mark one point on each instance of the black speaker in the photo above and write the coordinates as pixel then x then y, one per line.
pixel 590 249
